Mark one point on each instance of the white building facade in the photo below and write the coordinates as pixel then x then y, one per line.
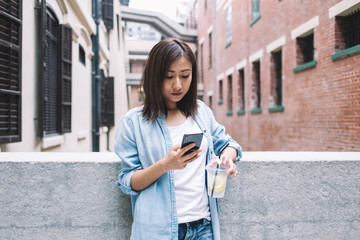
pixel 54 94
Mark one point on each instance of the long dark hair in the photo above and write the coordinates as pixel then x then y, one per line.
pixel 160 58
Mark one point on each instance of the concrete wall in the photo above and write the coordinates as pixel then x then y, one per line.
pixel 62 196
pixel 277 195
pixel 298 195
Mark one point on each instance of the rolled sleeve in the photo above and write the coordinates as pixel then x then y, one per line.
pixel 124 183
pixel 238 148
pixel 125 148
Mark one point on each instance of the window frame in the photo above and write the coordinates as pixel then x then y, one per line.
pixel 228 25
pixel 276 105
pixel 107 116
pixel 61 110
pixel 11 95
pixel 256 87
pixel 107 10
pixel 303 61
pixel 255 11
pixel 221 90
pixel 202 62
pixel 241 91
pixel 342 46
pixel 82 55
pixel 210 50
pixel 49 126
pixel 210 101
pixel 229 95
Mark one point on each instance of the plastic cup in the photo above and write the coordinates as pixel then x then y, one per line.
pixel 216 179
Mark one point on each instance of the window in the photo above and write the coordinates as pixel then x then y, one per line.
pixel 118 30
pixel 82 55
pixel 241 92
pixel 55 82
pixel 107 13
pixel 230 96
pixel 107 100
pixel 256 88
pixel 305 47
pixel 10 69
pixel 221 101
pixel 276 82
pixel 305 52
pixel 228 25
pixel 347 34
pixel 352 29
pixel 124 2
pixel 140 99
pixel 201 63
pixel 255 11
pixel 195 15
pixel 210 50
pixel 210 101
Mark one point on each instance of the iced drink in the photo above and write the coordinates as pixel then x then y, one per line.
pixel 216 179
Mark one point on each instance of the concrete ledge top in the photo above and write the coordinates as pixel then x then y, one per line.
pixel 300 156
pixel 99 157
pixel 110 157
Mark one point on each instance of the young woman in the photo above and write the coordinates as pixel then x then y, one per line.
pixel 167 187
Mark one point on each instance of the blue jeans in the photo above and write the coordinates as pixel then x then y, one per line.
pixel 196 230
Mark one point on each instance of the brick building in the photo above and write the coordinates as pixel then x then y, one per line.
pixel 283 75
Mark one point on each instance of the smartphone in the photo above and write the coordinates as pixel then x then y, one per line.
pixel 192 138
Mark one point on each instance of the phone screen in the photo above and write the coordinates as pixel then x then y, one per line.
pixel 192 138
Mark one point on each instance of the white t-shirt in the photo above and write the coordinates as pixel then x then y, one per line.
pixel 191 197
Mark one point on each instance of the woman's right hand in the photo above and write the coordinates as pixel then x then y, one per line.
pixel 176 158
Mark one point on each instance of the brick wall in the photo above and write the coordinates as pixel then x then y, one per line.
pixel 136 99
pixel 321 104
pixel 137 66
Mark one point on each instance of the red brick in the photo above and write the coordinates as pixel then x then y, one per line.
pixel 322 109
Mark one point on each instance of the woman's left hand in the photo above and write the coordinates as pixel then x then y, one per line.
pixel 227 157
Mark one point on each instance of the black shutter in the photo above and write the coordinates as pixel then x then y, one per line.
pixel 49 83
pixel 65 79
pixel 107 101
pixel 41 64
pixel 110 101
pixel 107 13
pixel 10 70
pixel 103 100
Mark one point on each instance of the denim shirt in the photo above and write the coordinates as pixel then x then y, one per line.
pixel 139 144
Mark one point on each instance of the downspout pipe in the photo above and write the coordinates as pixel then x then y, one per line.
pixel 96 79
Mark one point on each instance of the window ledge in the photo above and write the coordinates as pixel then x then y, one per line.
pixel 345 52
pixel 49 142
pixel 276 109
pixel 229 113
pixel 220 102
pixel 305 66
pixel 228 44
pixel 255 20
pixel 240 112
pixel 256 110
pixel 82 135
